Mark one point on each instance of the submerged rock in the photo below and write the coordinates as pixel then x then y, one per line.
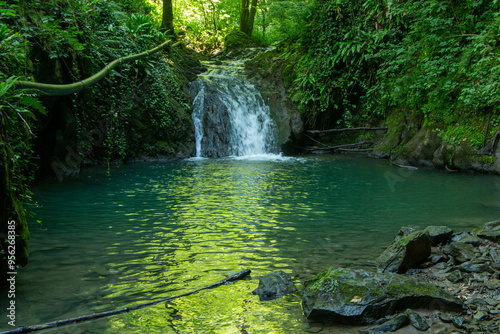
pixel 417 321
pixel 406 253
pixel 359 297
pixel 389 326
pixel 274 285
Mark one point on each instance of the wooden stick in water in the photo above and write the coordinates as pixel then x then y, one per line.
pixel 94 316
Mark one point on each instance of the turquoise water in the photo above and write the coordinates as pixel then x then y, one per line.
pixel 151 231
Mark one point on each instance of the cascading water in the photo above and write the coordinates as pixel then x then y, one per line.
pixel 230 116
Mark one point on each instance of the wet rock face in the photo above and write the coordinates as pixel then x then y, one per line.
pixel 405 253
pixel 359 297
pixel 216 126
pixel 275 285
pixel 265 68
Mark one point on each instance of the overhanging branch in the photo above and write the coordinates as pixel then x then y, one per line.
pixel 65 89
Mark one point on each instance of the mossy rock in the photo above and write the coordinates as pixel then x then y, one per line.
pixel 421 147
pixel 405 253
pixel 358 297
pixel 490 231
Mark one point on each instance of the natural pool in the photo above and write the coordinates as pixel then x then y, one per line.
pixel 150 231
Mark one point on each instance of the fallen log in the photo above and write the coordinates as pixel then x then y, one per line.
pixel 346 129
pixel 94 316
pixel 316 141
pixel 333 148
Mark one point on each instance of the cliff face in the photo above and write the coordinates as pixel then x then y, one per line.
pixel 121 117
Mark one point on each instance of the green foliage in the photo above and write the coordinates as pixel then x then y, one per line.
pixel 485 159
pixel 204 24
pixel 467 131
pixel 17 116
pixel 334 61
pixel 360 59
pixel 282 20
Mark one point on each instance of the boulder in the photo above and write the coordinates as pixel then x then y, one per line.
pixel 472 240
pixel 439 234
pixel 274 285
pixel 494 256
pixel 359 297
pixel 490 231
pixel 406 230
pixel 455 237
pixel 455 276
pixel 461 252
pixel 406 253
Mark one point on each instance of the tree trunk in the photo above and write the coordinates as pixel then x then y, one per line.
pixel 251 18
pixel 247 16
pixel 167 22
pixel 264 11
pixel 244 14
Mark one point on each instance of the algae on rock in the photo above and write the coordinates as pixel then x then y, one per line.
pixel 359 297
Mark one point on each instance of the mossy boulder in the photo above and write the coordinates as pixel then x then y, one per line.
pixel 490 231
pixel 439 234
pixel 403 125
pixel 421 147
pixel 460 252
pixel 359 297
pixel 405 253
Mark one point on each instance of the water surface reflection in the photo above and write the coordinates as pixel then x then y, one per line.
pixel 156 230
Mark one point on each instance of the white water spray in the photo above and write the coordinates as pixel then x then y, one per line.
pixel 230 116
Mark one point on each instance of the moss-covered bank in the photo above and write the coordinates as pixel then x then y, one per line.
pixel 457 146
pixel 12 214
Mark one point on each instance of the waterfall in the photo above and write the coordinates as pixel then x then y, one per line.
pixel 230 116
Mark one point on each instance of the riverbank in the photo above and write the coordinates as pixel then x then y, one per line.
pixel 467 143
pixel 463 267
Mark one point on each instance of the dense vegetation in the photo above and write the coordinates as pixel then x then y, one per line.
pixel 358 60
pixel 142 108
pixel 346 62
